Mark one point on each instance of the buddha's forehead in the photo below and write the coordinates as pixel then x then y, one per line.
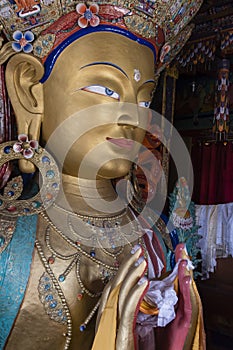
pixel 110 50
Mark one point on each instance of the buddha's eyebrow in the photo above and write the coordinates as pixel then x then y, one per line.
pixel 149 81
pixel 106 64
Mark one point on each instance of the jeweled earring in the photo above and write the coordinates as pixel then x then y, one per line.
pixel 12 201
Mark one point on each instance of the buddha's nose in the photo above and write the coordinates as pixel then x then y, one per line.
pixel 128 116
pixel 128 120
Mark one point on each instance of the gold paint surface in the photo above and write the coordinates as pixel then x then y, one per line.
pixel 64 94
pixel 33 322
pixel 107 60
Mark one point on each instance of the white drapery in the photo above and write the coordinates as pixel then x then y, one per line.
pixel 216 223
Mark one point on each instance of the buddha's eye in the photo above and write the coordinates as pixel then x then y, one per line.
pixel 102 90
pixel 145 104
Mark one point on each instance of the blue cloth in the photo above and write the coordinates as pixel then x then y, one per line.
pixel 15 263
pixel 174 238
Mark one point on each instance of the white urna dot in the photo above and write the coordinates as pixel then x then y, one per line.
pixel 137 75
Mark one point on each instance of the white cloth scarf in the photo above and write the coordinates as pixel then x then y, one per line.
pixel 216 229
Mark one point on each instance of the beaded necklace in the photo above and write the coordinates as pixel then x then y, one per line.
pixel 50 291
pixel 106 233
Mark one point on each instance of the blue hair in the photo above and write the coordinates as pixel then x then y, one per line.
pixel 53 56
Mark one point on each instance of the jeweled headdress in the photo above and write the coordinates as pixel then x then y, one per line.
pixel 42 26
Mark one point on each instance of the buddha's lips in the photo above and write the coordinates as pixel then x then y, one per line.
pixel 121 142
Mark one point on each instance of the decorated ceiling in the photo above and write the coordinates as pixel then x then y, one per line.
pixel 212 36
pixel 205 64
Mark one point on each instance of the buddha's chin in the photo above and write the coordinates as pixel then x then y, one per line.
pixel 114 169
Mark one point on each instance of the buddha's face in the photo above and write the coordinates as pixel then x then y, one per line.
pixel 97 69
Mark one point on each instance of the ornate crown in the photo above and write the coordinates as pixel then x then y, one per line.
pixel 42 25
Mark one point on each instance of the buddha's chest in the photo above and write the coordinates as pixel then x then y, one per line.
pixel 63 289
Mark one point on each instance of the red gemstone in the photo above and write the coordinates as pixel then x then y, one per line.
pixel 116 264
pixel 51 260
pixel 78 244
pixel 11 209
pixel 80 296
pixel 23 42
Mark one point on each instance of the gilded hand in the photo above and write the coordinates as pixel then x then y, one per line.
pixel 120 301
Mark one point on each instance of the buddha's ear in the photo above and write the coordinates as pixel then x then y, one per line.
pixel 23 74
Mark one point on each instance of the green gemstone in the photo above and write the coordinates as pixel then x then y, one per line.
pixel 36 205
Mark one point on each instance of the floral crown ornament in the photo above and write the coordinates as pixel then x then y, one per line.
pixel 22 41
pixel 88 15
pixel 160 24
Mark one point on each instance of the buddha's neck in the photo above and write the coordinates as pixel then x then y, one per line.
pixel 84 196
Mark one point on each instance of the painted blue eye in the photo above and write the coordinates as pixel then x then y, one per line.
pixel 145 104
pixel 102 90
pixel 109 92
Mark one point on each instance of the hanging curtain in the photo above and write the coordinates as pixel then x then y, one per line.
pixel 213 173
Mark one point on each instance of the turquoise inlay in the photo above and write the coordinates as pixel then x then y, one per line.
pixel 15 264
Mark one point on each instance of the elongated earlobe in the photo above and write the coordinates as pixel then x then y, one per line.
pixel 23 74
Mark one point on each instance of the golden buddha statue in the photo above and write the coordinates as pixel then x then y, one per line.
pixel 86 272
